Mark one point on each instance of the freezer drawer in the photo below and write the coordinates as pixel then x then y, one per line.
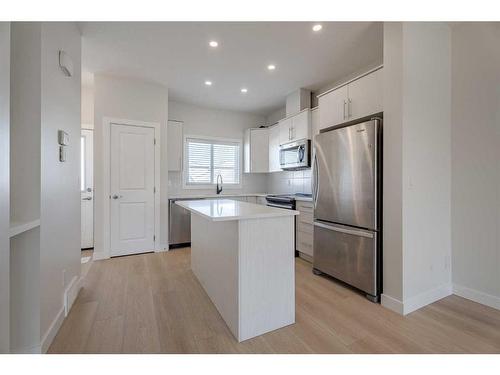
pixel 348 254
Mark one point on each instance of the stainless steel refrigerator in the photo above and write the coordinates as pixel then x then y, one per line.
pixel 347 173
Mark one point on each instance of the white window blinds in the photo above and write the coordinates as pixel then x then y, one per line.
pixel 206 159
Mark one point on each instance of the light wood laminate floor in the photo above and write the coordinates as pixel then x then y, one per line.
pixel 152 303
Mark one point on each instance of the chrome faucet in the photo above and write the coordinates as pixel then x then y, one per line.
pixel 219 187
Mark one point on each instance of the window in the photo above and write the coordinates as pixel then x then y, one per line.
pixel 205 159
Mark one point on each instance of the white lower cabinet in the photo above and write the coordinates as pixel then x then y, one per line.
pixel 261 200
pixel 304 229
pixel 252 199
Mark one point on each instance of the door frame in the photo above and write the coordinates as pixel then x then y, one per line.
pixel 106 186
pixel 89 129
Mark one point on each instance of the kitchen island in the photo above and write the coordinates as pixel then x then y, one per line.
pixel 243 255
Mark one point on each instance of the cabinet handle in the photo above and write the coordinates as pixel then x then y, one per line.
pixel 344 108
pixel 289 136
pixel 349 110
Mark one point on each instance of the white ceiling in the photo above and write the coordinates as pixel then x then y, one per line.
pixel 177 55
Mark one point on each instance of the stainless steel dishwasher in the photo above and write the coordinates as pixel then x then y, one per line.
pixel 179 224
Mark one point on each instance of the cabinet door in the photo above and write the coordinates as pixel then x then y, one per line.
pixel 285 130
pixel 252 199
pixel 262 201
pixel 301 126
pixel 365 96
pixel 174 145
pixel 314 123
pixel 259 146
pixel 274 148
pixel 333 108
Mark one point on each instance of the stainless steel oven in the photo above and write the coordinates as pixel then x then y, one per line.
pixel 295 155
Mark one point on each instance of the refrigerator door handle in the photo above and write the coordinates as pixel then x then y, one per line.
pixel 315 180
pixel 354 232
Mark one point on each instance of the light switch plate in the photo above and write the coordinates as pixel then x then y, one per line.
pixel 62 154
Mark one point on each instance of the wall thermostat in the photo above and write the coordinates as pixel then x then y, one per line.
pixel 62 137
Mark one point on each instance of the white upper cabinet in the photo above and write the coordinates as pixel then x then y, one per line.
pixel 301 125
pixel 174 145
pixel 256 150
pixel 285 127
pixel 296 127
pixel 359 98
pixel 274 148
pixel 314 123
pixel 365 96
pixel 333 107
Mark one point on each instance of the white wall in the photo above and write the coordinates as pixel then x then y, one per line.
pixel 87 107
pixel 4 184
pixel 215 123
pixel 25 197
pixel 417 119
pixel 475 136
pixel 60 188
pixel 393 157
pixel 426 161
pixel 127 99
pixel 275 116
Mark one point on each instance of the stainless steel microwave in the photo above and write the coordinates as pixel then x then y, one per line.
pixel 295 155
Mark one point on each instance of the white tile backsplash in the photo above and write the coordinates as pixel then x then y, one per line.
pixel 251 183
pixel 285 182
pixel 290 182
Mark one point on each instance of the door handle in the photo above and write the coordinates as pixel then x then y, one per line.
pixel 315 187
pixel 117 196
pixel 87 199
pixel 354 232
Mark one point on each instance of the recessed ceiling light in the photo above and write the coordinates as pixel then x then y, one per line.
pixel 271 67
pixel 213 43
pixel 244 90
pixel 208 83
pixel 317 27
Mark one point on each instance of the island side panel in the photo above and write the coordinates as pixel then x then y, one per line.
pixel 214 261
pixel 267 275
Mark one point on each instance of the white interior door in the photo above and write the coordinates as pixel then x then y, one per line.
pixel 132 189
pixel 87 187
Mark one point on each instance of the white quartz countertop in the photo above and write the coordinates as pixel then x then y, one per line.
pixel 227 209
pixel 223 195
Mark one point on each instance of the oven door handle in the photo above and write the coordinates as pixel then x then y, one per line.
pixel 279 206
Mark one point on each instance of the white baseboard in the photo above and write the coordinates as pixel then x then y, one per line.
pixel 71 293
pixel 392 304
pixel 426 298
pixel 100 256
pixel 52 331
pixel 477 296
pixel 416 302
